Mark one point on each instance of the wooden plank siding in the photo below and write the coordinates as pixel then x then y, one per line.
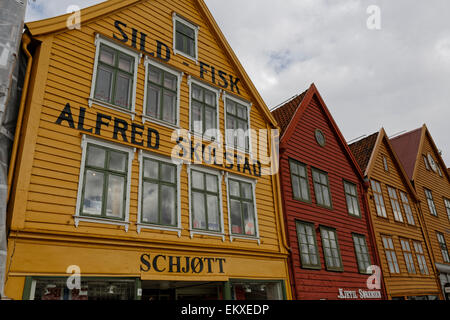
pixel 440 188
pixel 403 283
pixel 333 159
pixel 45 202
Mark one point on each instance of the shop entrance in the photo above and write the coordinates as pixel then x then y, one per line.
pixel 181 290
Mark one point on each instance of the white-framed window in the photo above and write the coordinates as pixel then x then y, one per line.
pixel 407 208
pixel 204 109
pixel 391 256
pixel 420 257
pixel 447 206
pixel 159 205
pixel 430 201
pixel 395 204
pixel 105 182
pixel 378 198
pixel 242 211
pixel 205 201
pixel 407 254
pixel 385 164
pixel 427 165
pixel 161 94
pixel 443 247
pixel 114 77
pixel 237 123
pixel 351 196
pixel 185 37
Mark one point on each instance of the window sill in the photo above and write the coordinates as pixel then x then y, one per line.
pixel 207 233
pixel 141 226
pixel 181 53
pixel 244 237
pixel 146 118
pixel 112 107
pixel 101 220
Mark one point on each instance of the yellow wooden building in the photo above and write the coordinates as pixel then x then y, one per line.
pixel 407 263
pixel 427 171
pixel 121 177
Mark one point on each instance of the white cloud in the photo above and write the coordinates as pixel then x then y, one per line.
pixel 396 77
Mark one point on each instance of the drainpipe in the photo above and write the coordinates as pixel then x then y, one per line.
pixel 25 42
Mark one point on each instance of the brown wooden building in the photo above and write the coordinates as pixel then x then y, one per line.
pixel 406 261
pixel 427 171
pixel 325 210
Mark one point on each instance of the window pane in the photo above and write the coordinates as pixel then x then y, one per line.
pixel 155 75
pixel 126 63
pixel 211 183
pixel 169 107
pixel 246 190
pixel 236 217
pixel 210 118
pixel 213 213
pixel 93 193
pixel 168 205
pixel 167 173
pixel 197 116
pixel 179 42
pixel 249 218
pixel 197 180
pixel 153 101
pixel 234 188
pixel 210 98
pixel 170 81
pixel 295 187
pixel 231 107
pixel 199 215
pixel 96 157
pixel 104 83
pixel 197 93
pixel 123 89
pixel 150 205
pixel 116 194
pixel 107 55
pixel 117 161
pixel 151 169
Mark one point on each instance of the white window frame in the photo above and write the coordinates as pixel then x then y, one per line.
pixel 246 104
pixel 179 74
pixel 196 82
pixel 219 175
pixel 85 140
pixel 447 206
pixel 99 40
pixel 253 183
pixel 141 225
pixel 175 18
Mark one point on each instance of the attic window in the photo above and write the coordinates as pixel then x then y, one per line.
pixel 185 38
pixel 320 137
pixel 385 163
pixel 427 166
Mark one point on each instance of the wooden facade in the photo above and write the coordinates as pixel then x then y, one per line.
pixel 64 118
pixel 407 265
pixel 311 142
pixel 427 172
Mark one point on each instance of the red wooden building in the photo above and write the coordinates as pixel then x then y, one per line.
pixel 325 209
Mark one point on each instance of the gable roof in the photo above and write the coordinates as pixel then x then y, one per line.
pixel 407 146
pixel 284 114
pixel 366 151
pixel 59 23
pixel 410 143
pixel 292 111
pixel 362 150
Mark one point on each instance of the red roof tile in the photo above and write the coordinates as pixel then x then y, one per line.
pixel 406 146
pixel 286 112
pixel 362 150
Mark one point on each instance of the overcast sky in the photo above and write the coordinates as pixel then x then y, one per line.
pixel 396 77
